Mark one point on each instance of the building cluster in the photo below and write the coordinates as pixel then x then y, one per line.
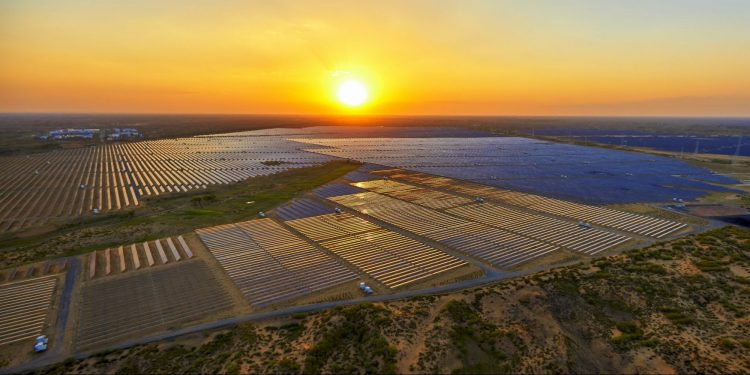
pixel 122 133
pixel 70 133
pixel 111 135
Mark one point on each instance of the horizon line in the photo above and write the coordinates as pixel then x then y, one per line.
pixel 364 116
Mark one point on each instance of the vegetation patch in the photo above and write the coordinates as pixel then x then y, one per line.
pixel 676 316
pixel 351 342
pixel 483 348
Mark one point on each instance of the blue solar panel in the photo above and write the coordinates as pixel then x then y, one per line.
pixel 336 189
pixel 674 142
pixel 302 208
pixel 357 176
pixel 584 174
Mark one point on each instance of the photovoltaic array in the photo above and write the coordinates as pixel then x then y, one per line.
pixel 69 183
pixel 139 303
pixel 137 256
pixel 642 225
pixel 499 247
pixel 62 184
pixel 582 174
pixel 270 264
pixel 391 258
pixel 25 307
pixel 564 233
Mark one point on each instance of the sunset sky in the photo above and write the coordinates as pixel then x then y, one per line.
pixel 596 57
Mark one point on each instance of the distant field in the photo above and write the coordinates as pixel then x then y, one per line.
pixel 19 129
pixel 678 143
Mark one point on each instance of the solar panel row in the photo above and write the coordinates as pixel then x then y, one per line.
pixel 558 232
pixel 139 303
pixel 625 221
pixel 330 226
pixel 583 174
pixel 24 307
pixel 507 250
pixel 134 256
pixel 76 182
pixel 391 258
pixel 269 264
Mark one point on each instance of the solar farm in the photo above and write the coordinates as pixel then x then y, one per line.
pixel 269 264
pixel 113 309
pixel 582 174
pixel 70 183
pixel 554 231
pixel 624 221
pixel 419 213
pixel 134 256
pixel 25 308
pixel 390 258
pixel 505 250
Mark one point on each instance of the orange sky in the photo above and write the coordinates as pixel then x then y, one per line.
pixel 667 57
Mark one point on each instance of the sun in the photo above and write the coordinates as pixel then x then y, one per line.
pixel 352 93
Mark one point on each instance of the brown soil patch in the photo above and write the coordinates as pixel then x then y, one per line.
pixel 686 268
pixel 616 332
pixel 717 210
pixel 740 270
pixel 645 361
pixel 36 230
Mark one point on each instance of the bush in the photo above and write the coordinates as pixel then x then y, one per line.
pixel 287 366
pixel 710 265
pixel 676 316
pixel 631 334
pixel 726 343
pixel 627 327
pixel 354 343
pixel 652 268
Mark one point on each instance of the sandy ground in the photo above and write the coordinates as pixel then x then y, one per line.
pixel 717 210
pixel 466 272
pixel 551 259
pixel 686 268
pixel 740 270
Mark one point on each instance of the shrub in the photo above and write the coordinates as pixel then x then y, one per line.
pixel 676 315
pixel 726 343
